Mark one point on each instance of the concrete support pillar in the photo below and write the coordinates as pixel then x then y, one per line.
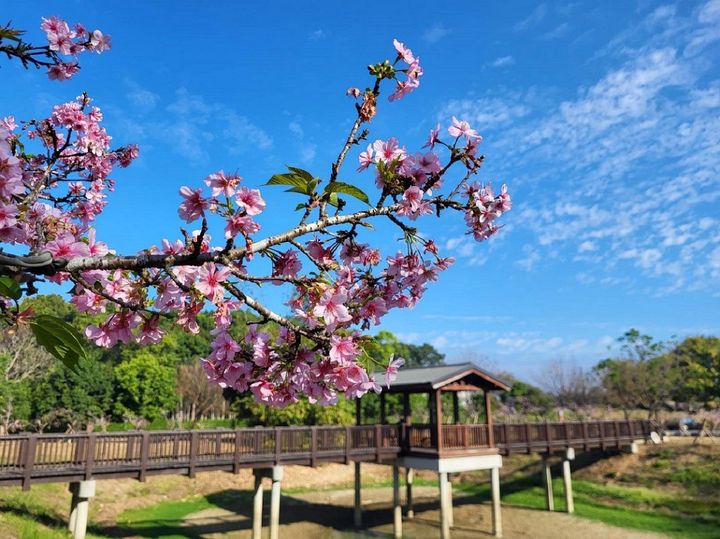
pixel 444 506
pixel 547 485
pixel 257 506
pixel 357 510
pixel 277 476
pixel 567 482
pixel 495 489
pixel 451 511
pixel 73 506
pixel 80 507
pixel 409 477
pixel 397 508
pixel 633 448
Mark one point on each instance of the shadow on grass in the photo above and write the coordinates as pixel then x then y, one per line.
pixel 292 510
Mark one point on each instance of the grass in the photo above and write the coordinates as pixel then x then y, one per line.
pixel 670 490
pixel 162 519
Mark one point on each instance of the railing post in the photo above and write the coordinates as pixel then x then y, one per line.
pixel 528 438
pixel 567 435
pixel 617 433
pixel 193 453
pixel 586 436
pixel 506 432
pixel 130 449
pixel 313 446
pixel 378 442
pixel 144 455
pixel 28 460
pixel 278 445
pixel 90 457
pixel 466 442
pixel 348 443
pixel 548 435
pixel 236 455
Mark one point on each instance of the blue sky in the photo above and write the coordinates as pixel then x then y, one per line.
pixel 602 117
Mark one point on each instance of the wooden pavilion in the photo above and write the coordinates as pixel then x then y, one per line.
pixel 437 438
pixel 444 448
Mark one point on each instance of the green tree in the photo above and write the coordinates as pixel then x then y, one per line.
pixel 144 387
pixel 83 395
pixel 699 358
pixel 385 344
pixel 645 376
pixel 253 413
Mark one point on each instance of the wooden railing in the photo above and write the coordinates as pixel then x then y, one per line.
pixel 32 458
pixel 539 437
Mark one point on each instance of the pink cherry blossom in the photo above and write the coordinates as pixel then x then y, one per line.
pixel 209 281
pixel 193 206
pixel 392 369
pixel 462 128
pixel 222 184
pixel 403 52
pixel 331 307
pixel 250 200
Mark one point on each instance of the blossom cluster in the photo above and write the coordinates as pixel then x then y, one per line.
pixel 338 284
pixel 62 39
pixel 49 198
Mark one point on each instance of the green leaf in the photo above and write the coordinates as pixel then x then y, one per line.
pixel 300 172
pixel 347 189
pixel 9 288
pixel 300 206
pixel 288 179
pixel 59 338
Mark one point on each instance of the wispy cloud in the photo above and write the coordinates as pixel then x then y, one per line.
pixel 535 17
pixel 317 35
pixel 306 149
pixel 503 61
pixel 435 33
pixel 189 125
pixel 559 31
pixel 626 176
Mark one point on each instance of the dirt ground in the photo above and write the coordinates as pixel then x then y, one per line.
pixel 326 515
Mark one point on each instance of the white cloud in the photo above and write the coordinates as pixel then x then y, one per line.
pixel 485 112
pixel 317 35
pixel 141 98
pixel 559 31
pixel 535 17
pixel 435 33
pixel 624 175
pixel 503 61
pixel 189 128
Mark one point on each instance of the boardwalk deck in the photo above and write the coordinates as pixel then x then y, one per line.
pixel 41 458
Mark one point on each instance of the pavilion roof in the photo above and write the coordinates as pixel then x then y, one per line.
pixel 460 377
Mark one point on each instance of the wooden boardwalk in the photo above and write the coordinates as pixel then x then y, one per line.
pixel 41 458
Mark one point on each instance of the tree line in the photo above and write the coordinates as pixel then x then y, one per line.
pixel 163 385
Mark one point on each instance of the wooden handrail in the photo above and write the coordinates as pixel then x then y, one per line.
pixel 79 456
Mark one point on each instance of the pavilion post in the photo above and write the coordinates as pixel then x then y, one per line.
pixel 438 420
pixel 357 509
pixel 358 412
pixel 409 476
pixel 397 508
pixel 489 420
pixel 444 506
pixel 257 505
pixel 497 529
pixel 456 408
pixel 407 414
